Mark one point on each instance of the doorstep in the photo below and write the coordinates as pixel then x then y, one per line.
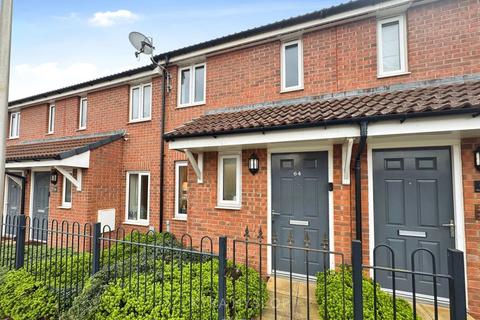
pixel 298 301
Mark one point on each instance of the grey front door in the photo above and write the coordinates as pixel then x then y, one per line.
pixel 300 207
pixel 41 192
pixel 14 195
pixel 413 205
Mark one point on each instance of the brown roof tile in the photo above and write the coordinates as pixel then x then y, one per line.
pixel 428 101
pixel 58 149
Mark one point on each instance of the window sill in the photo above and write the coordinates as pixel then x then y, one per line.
pixel 223 207
pixel 286 90
pixel 137 223
pixel 139 121
pixel 64 207
pixel 13 138
pixel 179 218
pixel 396 74
pixel 81 129
pixel 50 133
pixel 196 104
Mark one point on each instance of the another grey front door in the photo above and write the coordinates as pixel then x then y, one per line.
pixel 41 192
pixel 300 207
pixel 14 195
pixel 413 205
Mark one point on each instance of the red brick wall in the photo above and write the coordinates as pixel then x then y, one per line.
pixel 105 180
pixel 472 225
pixel 205 219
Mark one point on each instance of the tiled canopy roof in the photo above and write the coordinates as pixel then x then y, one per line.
pixel 58 149
pixel 432 100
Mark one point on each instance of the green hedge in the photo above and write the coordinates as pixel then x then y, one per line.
pixel 125 300
pixel 335 298
pixel 23 298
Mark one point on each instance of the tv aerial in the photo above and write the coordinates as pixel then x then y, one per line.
pixel 144 45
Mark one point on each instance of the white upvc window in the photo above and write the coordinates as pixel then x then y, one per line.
pixel 51 119
pixel 66 193
pixel 138 198
pixel 82 114
pixel 141 102
pixel 192 85
pixel 292 66
pixel 229 184
pixel 392 46
pixel 181 190
pixel 14 125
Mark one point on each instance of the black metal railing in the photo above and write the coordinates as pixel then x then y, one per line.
pixel 254 251
pixel 455 278
pixel 125 258
pixel 149 265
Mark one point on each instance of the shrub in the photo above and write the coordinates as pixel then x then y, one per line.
pixel 21 297
pixel 335 300
pixel 142 297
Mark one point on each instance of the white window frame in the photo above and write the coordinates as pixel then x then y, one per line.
pixel 191 102
pixel 66 204
pixel 80 113
pixel 15 134
pixel 178 165
pixel 143 222
pixel 284 88
pixel 51 119
pixel 141 87
pixel 229 204
pixel 402 27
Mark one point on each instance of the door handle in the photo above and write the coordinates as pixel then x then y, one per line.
pixel 450 225
pixel 275 213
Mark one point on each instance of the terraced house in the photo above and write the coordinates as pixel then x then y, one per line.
pixel 356 121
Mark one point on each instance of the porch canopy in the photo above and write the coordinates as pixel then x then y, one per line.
pixel 439 107
pixel 62 154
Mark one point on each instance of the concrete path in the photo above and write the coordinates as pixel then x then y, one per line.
pixel 286 306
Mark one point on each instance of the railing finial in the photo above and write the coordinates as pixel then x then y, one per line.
pixel 290 238
pixel 247 233
pixel 260 233
pixel 306 239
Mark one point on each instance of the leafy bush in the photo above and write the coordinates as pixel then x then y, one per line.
pixel 128 249
pixel 335 301
pixel 85 305
pixel 21 297
pixel 142 298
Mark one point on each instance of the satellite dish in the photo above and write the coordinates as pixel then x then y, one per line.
pixel 141 43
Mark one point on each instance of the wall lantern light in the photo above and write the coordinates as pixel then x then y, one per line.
pixel 477 158
pixel 253 164
pixel 54 176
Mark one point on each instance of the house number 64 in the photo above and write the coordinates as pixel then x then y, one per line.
pixel 297 173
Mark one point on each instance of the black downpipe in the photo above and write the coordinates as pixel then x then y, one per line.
pixel 162 139
pixel 358 180
pixel 23 179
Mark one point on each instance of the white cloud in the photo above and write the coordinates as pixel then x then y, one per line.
pixel 110 18
pixel 27 80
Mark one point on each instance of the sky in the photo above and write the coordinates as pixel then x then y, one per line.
pixel 59 43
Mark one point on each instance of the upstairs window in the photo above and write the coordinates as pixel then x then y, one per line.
pixel 51 119
pixel 140 102
pixel 82 114
pixel 138 194
pixel 292 66
pixel 392 46
pixel 191 85
pixel 229 181
pixel 14 125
